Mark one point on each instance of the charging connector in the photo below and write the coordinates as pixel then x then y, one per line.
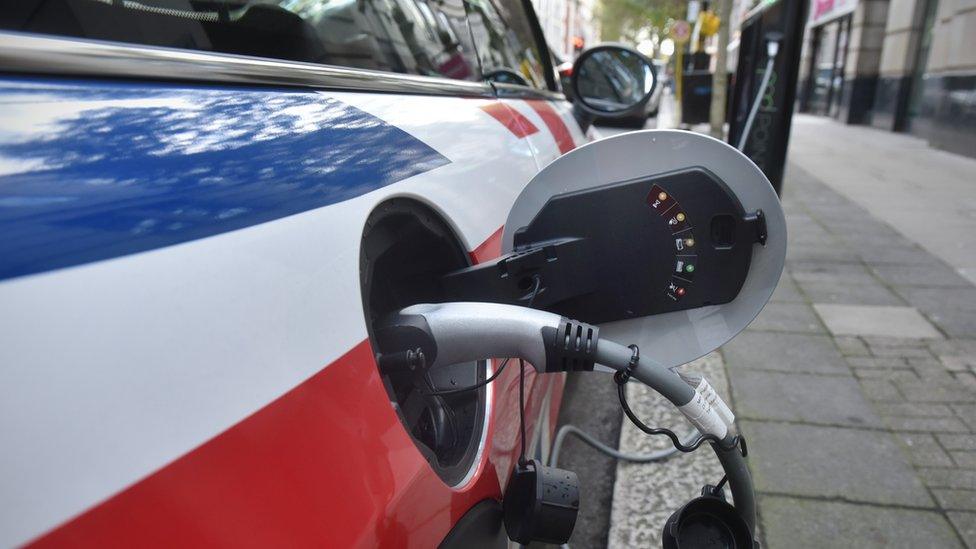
pixel 451 333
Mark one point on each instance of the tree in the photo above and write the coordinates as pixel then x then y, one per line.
pixel 720 78
pixel 626 20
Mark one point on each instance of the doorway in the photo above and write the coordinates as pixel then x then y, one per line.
pixel 826 71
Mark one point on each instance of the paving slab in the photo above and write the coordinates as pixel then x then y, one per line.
pixel 850 294
pixel 952 309
pixel 832 462
pixel 910 254
pixel 874 240
pixel 967 460
pixel 879 390
pixel 851 346
pixel 965 524
pixel 954 322
pixel 803 228
pixel 945 477
pixel 914 409
pixel 784 353
pixel 790 523
pixel 832 272
pixel 811 252
pixel 955 500
pixel 881 172
pixel 967 413
pixel 924 451
pixel 934 273
pixel 786 291
pixel 937 298
pixel 948 391
pixel 787 317
pixel 953 346
pixel 868 320
pixel 831 400
pixel 958 442
pixel 874 362
pixel 926 424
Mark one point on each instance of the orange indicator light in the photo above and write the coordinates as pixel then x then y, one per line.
pixel 662 196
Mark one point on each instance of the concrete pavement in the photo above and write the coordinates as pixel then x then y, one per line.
pixel 925 194
pixel 855 390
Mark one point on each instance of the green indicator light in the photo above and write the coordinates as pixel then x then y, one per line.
pixel 689 268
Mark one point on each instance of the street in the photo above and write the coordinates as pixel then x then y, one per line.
pixel 856 386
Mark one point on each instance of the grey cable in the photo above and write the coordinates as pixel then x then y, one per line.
pixel 657 377
pixel 568 429
pixel 673 388
pixel 772 50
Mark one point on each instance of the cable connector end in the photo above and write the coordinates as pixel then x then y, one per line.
pixel 571 347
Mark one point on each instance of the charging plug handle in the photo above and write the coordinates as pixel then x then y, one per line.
pixel 451 333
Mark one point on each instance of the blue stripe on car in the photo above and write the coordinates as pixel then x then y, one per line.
pixel 91 171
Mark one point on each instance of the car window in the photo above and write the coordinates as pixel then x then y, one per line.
pixel 506 47
pixel 426 37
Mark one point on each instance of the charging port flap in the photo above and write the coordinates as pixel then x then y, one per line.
pixel 673 228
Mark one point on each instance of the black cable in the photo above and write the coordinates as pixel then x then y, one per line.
pixel 535 291
pixel 475 386
pixel 522 408
pixel 447 392
pixel 621 378
pixel 721 483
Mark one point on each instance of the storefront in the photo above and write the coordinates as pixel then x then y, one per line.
pixel 927 77
pixel 825 76
pixel 901 65
pixel 829 30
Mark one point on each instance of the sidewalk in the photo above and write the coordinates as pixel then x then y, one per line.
pixel 925 194
pixel 856 386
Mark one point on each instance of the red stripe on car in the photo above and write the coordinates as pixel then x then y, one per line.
pixel 555 123
pixel 516 123
pixel 490 248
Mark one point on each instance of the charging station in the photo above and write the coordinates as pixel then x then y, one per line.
pixel 769 134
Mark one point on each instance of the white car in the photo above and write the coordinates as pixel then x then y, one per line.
pixel 205 206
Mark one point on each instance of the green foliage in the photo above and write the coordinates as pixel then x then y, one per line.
pixel 623 20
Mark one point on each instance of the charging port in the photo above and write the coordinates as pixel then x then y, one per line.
pixel 406 249
pixel 723 231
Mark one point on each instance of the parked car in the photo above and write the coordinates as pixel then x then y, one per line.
pixel 205 207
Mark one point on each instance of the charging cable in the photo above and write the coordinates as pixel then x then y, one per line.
pixel 772 48
pixel 569 429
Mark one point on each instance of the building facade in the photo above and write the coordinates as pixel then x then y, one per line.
pixel 900 65
pixel 569 25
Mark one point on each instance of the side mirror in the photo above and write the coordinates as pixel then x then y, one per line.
pixel 611 80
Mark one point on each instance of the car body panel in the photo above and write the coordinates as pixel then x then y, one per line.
pixel 189 362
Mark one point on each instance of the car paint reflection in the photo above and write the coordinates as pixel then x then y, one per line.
pixel 94 172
